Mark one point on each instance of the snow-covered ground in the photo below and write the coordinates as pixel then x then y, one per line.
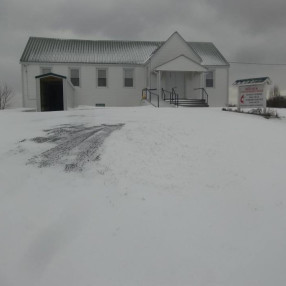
pixel 176 197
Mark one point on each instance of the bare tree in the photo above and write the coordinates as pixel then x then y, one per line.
pixel 275 91
pixel 6 93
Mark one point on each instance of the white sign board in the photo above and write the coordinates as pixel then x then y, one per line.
pixel 252 96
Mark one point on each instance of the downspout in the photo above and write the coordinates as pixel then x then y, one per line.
pixel 146 72
pixel 23 90
pixel 227 88
pixel 27 82
pixel 24 82
pixel 150 76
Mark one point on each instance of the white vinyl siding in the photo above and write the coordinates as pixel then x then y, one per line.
pixel 102 77
pixel 128 77
pixel 45 70
pixel 74 76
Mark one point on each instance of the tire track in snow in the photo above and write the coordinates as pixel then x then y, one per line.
pixel 75 145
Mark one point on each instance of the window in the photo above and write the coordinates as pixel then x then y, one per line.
pixel 46 70
pixel 128 77
pixel 210 79
pixel 74 76
pixel 102 77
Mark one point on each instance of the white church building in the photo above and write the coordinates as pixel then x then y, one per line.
pixel 58 74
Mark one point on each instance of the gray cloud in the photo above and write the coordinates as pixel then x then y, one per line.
pixel 111 19
pixel 242 30
pixel 256 16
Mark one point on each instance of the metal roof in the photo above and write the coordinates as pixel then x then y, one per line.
pixel 249 81
pixel 48 50
pixel 210 55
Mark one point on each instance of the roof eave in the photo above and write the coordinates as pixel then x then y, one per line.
pixel 81 63
pixel 219 65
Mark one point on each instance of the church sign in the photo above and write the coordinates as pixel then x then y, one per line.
pixel 252 92
pixel 251 96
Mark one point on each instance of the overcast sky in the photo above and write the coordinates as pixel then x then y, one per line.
pixel 244 30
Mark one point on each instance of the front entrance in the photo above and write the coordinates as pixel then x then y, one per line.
pixel 177 80
pixel 51 92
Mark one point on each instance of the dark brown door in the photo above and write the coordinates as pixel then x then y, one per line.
pixel 51 94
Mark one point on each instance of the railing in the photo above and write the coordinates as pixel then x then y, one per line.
pixel 173 96
pixel 148 95
pixel 205 95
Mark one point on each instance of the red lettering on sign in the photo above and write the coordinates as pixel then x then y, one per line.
pixel 242 99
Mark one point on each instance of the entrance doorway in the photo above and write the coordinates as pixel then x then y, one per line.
pixel 51 93
pixel 176 79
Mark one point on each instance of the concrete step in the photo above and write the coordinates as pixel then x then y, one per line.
pixel 192 102
pixel 193 105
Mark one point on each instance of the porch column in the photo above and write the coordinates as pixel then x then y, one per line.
pixel 159 84
pixel 65 94
pixel 38 94
pixel 202 80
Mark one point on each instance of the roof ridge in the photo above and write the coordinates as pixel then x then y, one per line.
pixel 89 40
pixel 115 40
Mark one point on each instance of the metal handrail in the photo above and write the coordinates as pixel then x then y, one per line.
pixel 164 93
pixel 204 93
pixel 150 92
pixel 173 96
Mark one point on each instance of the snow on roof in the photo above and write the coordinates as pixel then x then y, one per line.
pixel 210 55
pixel 256 80
pixel 48 50
pixel 51 74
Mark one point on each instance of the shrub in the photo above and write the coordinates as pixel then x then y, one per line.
pixel 277 101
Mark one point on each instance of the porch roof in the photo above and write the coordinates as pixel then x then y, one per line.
pixel 50 74
pixel 181 63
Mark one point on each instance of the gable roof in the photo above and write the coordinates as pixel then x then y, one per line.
pixel 176 34
pixel 181 63
pixel 49 50
pixel 208 52
pixel 84 51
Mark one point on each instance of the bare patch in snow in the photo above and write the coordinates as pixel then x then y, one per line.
pixel 75 145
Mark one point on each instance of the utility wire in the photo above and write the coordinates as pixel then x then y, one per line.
pixel 259 64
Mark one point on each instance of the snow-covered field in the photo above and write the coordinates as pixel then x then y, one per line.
pixel 172 197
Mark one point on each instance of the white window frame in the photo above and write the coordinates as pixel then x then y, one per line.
pixel 205 79
pixel 133 77
pixel 47 67
pixel 107 81
pixel 79 75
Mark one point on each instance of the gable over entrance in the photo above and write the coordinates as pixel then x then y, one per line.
pixel 172 48
pixel 51 96
pixel 181 63
pixel 53 92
